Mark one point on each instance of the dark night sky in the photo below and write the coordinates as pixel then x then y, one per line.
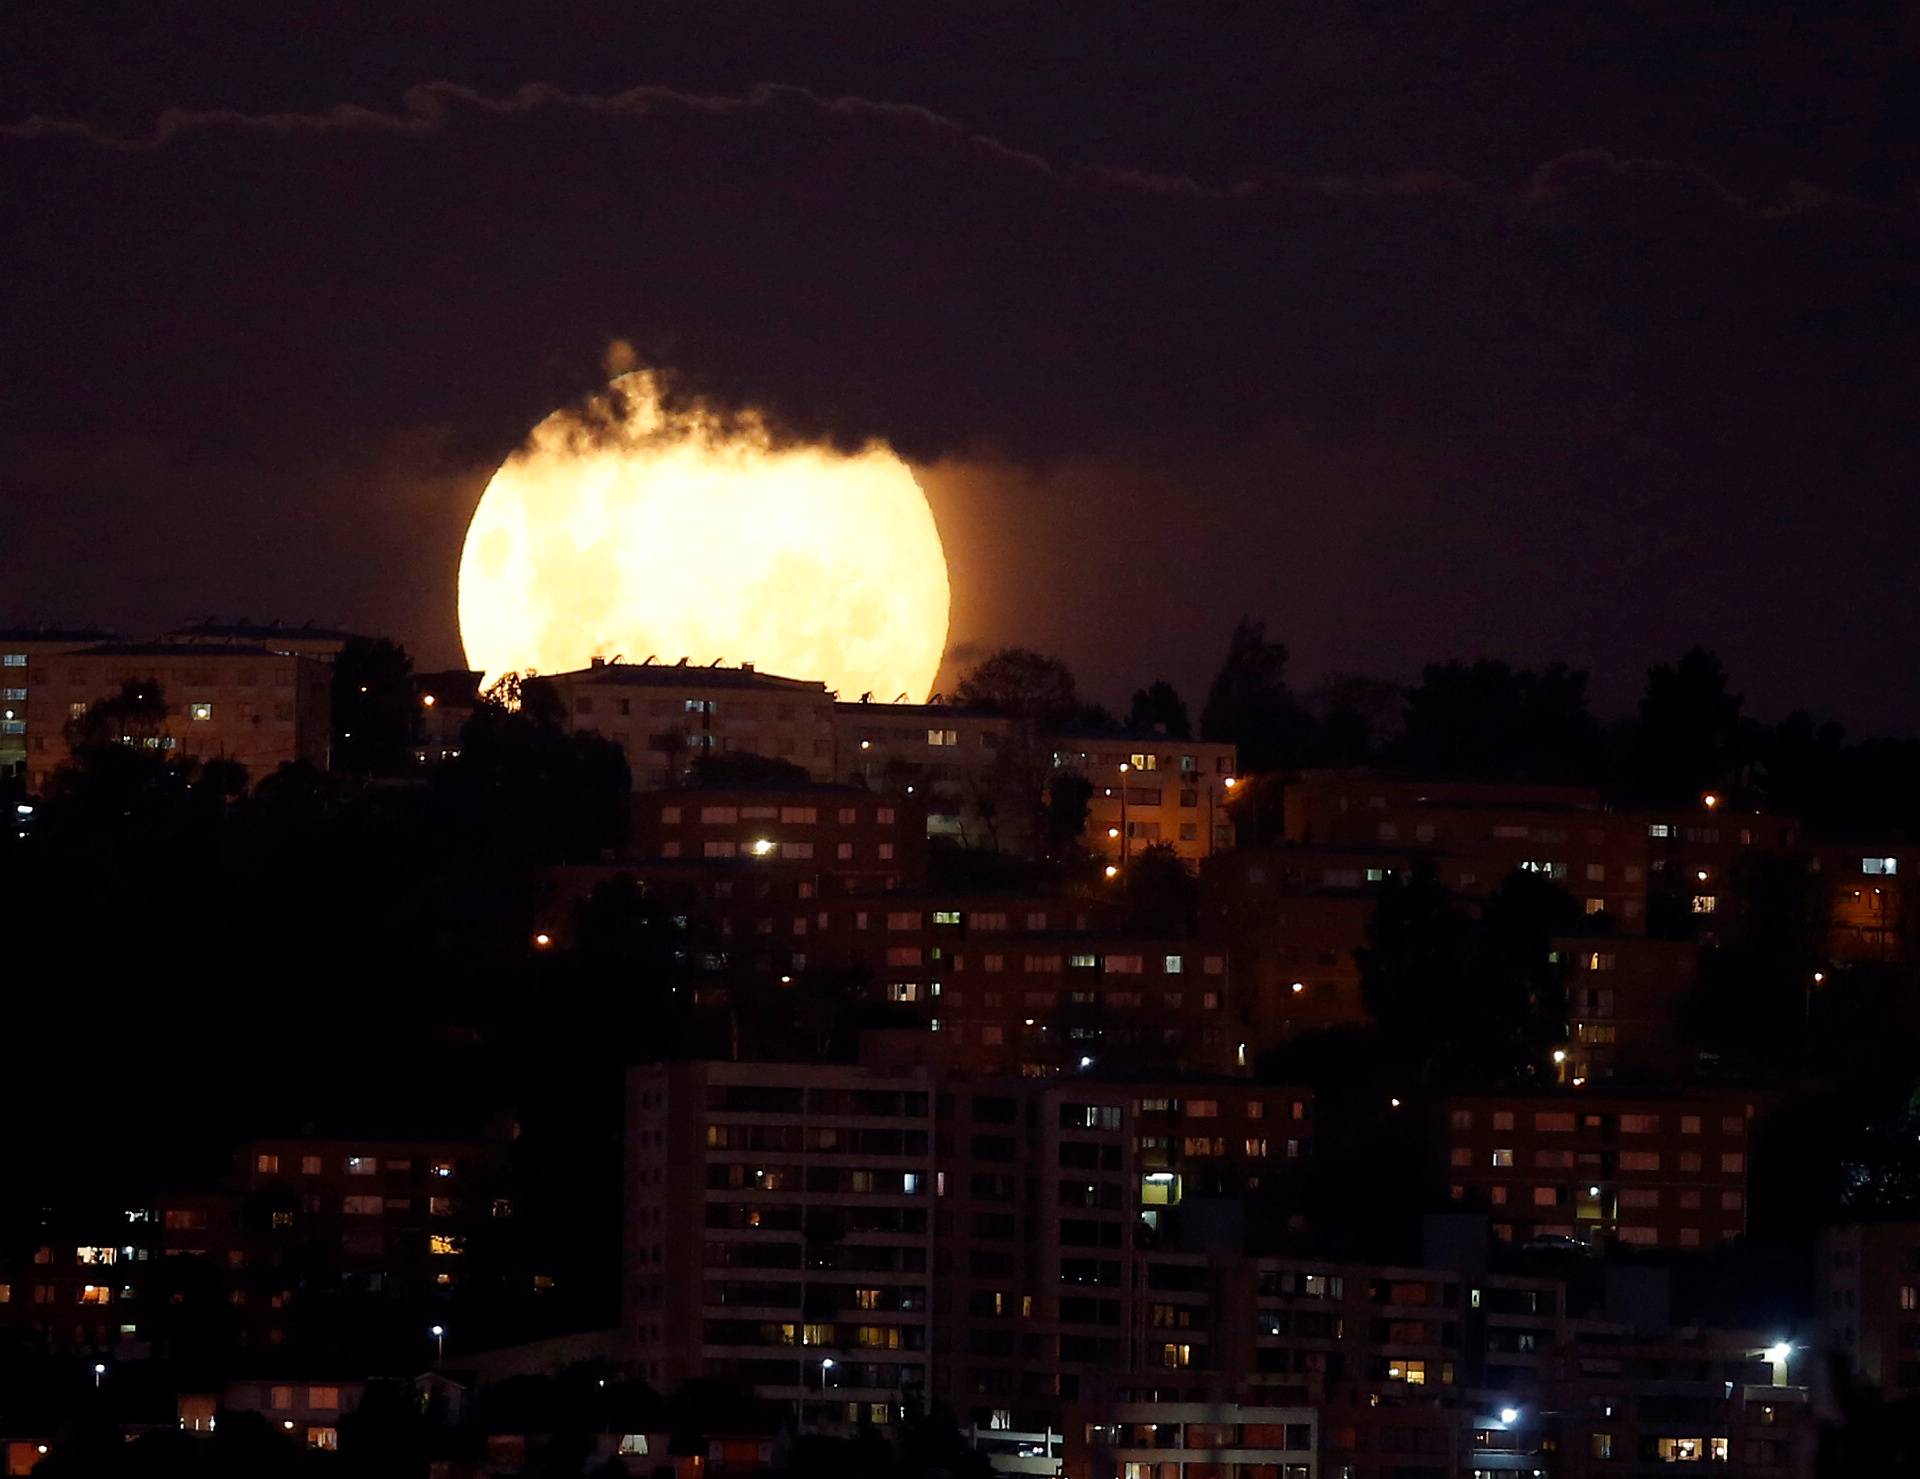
pixel 1551 330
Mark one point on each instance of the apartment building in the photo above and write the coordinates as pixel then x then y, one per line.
pixel 22 649
pixel 1028 985
pixel 1867 1302
pixel 1199 1440
pixel 227 701
pixel 1865 889
pixel 1477 835
pixel 779 1230
pixel 1625 994
pixel 662 716
pixel 1292 919
pixel 1643 1170
pixel 851 839
pixel 980 774
pixel 1152 790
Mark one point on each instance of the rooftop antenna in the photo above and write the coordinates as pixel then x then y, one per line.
pixel 716 662
pixel 867 697
pixel 615 658
pixel 900 699
pixel 681 664
pixel 649 662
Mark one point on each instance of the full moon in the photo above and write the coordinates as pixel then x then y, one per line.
pixel 629 530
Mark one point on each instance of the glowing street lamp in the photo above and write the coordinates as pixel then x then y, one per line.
pixel 99 1372
pixel 542 941
pixel 439 1334
pixel 1112 871
pixel 826 1365
pixel 1509 1415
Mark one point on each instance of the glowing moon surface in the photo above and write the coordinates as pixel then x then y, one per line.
pixel 628 530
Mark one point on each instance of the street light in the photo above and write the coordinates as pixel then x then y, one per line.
pixel 1509 1415
pixel 826 1365
pixel 99 1371
pixel 439 1334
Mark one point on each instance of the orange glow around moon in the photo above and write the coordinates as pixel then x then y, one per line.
pixel 627 529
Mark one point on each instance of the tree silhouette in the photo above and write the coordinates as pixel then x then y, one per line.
pixel 1487 721
pixel 376 716
pixel 1159 709
pixel 1249 704
pixel 1021 684
pixel 1689 738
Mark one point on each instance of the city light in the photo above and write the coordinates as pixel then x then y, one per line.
pixel 1509 1415
pixel 761 847
pixel 1393 1104
pixel 542 940
pixel 1113 831
pixel 1086 1062
pixel 1778 1352
pixel 1298 987
pixel 1710 800
pixel 1559 1055
pixel 426 700
pixel 1112 872
pixel 1230 782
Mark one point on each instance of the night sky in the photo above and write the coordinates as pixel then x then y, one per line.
pixel 1553 330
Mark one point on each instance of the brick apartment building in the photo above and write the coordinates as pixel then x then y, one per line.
pixel 1153 790
pixel 1865 888
pixel 303 1229
pixel 1624 998
pixel 1644 1170
pixel 1476 835
pixel 1105 1256
pixel 884 1221
pixel 779 1230
pixel 662 716
pixel 21 650
pixel 849 837
pixel 1867 1302
pixel 225 701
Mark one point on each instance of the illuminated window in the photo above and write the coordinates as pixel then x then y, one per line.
pixel 1503 1158
pixel 283 1219
pixel 1596 906
pixel 1703 904
pixel 903 990
pixel 1880 867
pixel 96 1294
pixel 281 1399
pixel 94 1255
pixel 441 1169
pixel 943 737
pixel 1413 1373
pixel 445 1244
pixel 1602 1445
pixel 439 1206
pixel 1174 965
pixel 325 1438
pixel 323 1399
pixel 1176 1356
pixel 361 1206
pixel 362 1165
pixel 267 1165
pixel 309 1165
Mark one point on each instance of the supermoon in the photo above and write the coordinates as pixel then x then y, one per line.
pixel 628 530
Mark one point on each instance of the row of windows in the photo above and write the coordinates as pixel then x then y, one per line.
pixel 1564 1121
pixel 1732 1162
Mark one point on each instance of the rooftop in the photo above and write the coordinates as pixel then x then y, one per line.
pixel 56 634
pixel 196 650
pixel 256 631
pixel 683 675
